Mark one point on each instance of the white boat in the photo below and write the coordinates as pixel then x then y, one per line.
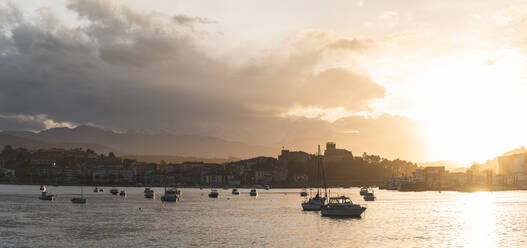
pixel 369 196
pixel 123 193
pixel 114 191
pixel 171 195
pixel 235 192
pixel 149 193
pixel 317 202
pixel 342 206
pixel 253 192
pixel 213 193
pixel 314 203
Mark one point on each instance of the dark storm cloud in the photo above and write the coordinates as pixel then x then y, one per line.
pixel 124 69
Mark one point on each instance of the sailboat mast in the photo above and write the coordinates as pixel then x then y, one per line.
pixel 318 171
pixel 323 174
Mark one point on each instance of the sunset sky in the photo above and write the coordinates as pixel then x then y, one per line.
pixel 418 80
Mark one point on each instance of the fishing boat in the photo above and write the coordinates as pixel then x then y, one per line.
pixel 253 192
pixel 235 192
pixel 213 193
pixel 342 206
pixel 44 194
pixel 369 196
pixel 318 201
pixel 149 193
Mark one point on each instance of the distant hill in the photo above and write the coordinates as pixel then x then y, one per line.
pixel 149 144
pixel 32 144
pixel 178 159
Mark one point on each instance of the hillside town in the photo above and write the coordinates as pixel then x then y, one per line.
pixel 289 169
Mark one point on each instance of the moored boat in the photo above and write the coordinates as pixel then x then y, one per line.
pixel 267 187
pixel 123 193
pixel 314 203
pixel 44 194
pixel 364 190
pixel 235 192
pixel 342 206
pixel 369 196
pixel 114 191
pixel 149 193
pixel 213 193
pixel 171 195
pixel 253 192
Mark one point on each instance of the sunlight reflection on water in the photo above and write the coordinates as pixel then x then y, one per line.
pixel 273 219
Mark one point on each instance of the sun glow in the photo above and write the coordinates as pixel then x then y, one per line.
pixel 471 108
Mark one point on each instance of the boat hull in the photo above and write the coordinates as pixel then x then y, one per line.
pixel 311 207
pixel 343 212
pixel 78 200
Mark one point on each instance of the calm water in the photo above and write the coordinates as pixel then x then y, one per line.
pixel 273 219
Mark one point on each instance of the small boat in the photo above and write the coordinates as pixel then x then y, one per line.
pixel 96 190
pixel 314 203
pixel 213 193
pixel 149 193
pixel 171 195
pixel 364 190
pixel 235 192
pixel 79 200
pixel 123 193
pixel 45 196
pixel 369 196
pixel 253 192
pixel 342 206
pixel 317 202
pixel 266 187
pixel 303 193
pixel 114 191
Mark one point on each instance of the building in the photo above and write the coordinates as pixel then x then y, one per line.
pixel 332 154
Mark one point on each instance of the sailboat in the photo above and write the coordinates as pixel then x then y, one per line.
pixel 79 200
pixel 315 203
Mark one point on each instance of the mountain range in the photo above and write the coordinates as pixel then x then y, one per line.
pixel 103 141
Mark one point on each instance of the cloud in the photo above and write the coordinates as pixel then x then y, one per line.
pixel 187 20
pixel 124 69
pixel 355 45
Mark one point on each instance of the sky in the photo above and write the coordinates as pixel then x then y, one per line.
pixel 417 80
